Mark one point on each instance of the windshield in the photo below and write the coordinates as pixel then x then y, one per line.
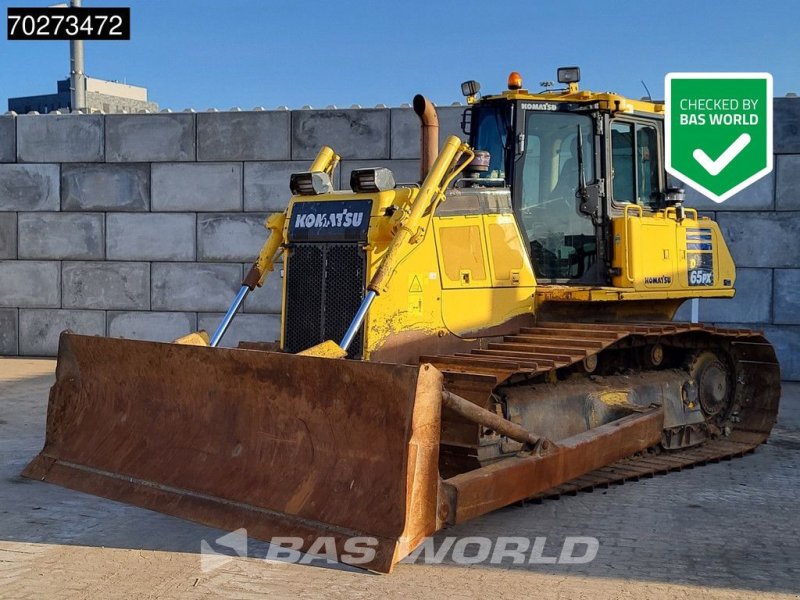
pixel 493 123
pixel 563 243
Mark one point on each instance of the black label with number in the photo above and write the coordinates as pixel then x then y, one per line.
pixel 73 23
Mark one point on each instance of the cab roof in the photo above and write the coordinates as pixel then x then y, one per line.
pixel 605 100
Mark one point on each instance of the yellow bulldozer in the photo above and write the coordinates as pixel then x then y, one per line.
pixel 499 331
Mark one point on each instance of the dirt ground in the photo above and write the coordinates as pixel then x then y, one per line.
pixel 727 530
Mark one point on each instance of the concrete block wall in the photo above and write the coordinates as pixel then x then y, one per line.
pixel 143 225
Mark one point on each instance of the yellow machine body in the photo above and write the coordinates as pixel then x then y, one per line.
pixel 470 276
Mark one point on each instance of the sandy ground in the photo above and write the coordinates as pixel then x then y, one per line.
pixel 728 530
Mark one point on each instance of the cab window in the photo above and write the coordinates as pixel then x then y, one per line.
pixel 634 163
pixel 493 125
pixel 563 243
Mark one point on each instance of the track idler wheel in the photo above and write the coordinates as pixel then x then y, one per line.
pixel 714 385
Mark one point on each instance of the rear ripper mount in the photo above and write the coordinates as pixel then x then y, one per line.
pixel 368 450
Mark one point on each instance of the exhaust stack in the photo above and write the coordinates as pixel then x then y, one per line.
pixel 429 133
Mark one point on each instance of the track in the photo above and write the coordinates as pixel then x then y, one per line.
pixel 551 349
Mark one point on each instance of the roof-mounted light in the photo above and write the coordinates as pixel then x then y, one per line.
pixel 514 81
pixel 378 179
pixel 470 88
pixel 569 74
pixel 310 183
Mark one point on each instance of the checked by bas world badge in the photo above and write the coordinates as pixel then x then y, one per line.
pixel 719 130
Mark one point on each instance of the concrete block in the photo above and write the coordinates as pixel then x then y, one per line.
pixel 30 284
pixel 106 285
pixel 8 138
pixel 39 329
pixel 60 138
pixel 153 326
pixel 353 133
pixel 29 187
pixel 9 332
pixel 269 297
pixel 762 239
pixel 226 237
pixel 250 328
pixel 406 129
pixel 450 122
pixel 752 303
pixel 787 182
pixel 405 133
pixel 151 236
pixel 150 138
pixel 105 187
pixel 8 235
pixel 262 135
pixel 786 126
pixel 197 187
pixel 405 171
pixel 786 340
pixel 194 286
pixel 266 184
pixel 758 196
pixel 684 313
pixel 786 297
pixel 63 236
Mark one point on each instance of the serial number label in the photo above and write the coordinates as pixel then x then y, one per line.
pixel 72 23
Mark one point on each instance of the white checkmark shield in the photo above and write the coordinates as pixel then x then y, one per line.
pixel 714 167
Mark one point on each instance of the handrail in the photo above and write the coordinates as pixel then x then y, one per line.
pixel 628 252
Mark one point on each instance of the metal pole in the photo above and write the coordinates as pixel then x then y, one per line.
pixel 226 320
pixel 355 325
pixel 77 78
pixel 480 415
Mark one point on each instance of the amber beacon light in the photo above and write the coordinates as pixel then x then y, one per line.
pixel 514 81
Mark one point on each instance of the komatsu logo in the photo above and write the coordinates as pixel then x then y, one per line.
pixel 660 280
pixel 330 221
pixel 539 106
pixel 344 218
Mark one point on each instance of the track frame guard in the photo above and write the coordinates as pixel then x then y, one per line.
pixel 280 444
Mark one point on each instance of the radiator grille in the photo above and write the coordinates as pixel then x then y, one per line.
pixel 324 288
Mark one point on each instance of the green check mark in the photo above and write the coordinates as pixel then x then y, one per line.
pixel 714 167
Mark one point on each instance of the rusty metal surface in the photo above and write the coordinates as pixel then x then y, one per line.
pixel 276 443
pixel 476 414
pixel 486 489
pixel 429 133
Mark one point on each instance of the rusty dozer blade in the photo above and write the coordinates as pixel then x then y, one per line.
pixel 280 444
pixel 293 446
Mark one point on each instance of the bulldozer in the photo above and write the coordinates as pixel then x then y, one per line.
pixel 499 331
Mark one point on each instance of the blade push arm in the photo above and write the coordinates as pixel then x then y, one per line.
pixel 325 162
pixel 265 263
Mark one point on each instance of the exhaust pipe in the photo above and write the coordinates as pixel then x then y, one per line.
pixel 429 134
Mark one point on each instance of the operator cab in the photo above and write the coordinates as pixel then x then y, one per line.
pixel 573 159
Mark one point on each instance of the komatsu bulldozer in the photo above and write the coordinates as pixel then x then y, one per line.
pixel 499 331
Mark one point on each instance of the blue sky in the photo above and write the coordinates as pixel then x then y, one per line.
pixel 247 53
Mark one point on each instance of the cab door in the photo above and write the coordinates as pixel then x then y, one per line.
pixel 563 241
pixel 644 252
